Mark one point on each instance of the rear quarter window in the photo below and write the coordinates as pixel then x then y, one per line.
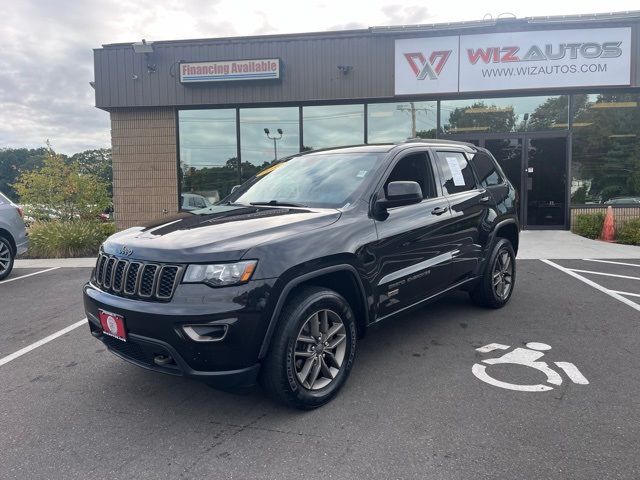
pixel 486 171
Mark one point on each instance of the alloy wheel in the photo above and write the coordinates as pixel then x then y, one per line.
pixel 320 349
pixel 5 257
pixel 503 275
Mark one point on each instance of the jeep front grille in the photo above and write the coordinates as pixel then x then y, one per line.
pixel 142 280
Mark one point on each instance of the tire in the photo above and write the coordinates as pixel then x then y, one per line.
pixel 7 257
pixel 287 375
pixel 487 293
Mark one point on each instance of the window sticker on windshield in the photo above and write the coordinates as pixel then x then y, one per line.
pixel 456 172
pixel 362 173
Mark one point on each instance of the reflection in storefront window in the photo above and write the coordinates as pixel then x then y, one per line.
pixel 394 122
pixel 332 126
pixel 208 155
pixel 606 149
pixel 501 115
pixel 257 150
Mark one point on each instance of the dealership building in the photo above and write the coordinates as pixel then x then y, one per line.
pixel 555 99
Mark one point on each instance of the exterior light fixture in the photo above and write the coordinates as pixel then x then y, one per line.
pixel 145 48
pixel 275 139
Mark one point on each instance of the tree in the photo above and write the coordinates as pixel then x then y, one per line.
pixel 59 189
pixel 14 162
pixel 481 117
pixel 96 162
pixel 549 115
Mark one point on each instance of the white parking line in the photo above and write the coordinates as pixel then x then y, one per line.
pixel 611 293
pixel 604 274
pixel 609 261
pixel 626 293
pixel 29 275
pixel 39 343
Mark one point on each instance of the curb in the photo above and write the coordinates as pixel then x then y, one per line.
pixel 87 262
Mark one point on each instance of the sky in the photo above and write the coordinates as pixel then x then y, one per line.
pixel 47 46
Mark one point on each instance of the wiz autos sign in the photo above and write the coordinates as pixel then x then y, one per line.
pixel 231 70
pixel 513 61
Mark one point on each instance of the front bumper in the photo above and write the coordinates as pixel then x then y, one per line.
pixel 154 331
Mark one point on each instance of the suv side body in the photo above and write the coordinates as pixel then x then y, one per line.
pixel 378 262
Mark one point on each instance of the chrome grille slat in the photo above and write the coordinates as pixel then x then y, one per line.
pixel 148 280
pixel 168 279
pixel 131 283
pixel 118 275
pixel 135 279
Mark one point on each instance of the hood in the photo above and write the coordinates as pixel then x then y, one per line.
pixel 222 233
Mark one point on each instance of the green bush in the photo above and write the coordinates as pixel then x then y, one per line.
pixel 65 239
pixel 589 224
pixel 629 232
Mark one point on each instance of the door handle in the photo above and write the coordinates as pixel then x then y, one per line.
pixel 485 199
pixel 439 210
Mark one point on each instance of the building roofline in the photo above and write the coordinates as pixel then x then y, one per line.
pixel 585 19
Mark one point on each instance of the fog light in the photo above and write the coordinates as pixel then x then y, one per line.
pixel 206 332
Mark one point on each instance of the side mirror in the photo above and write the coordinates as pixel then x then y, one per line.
pixel 400 194
pixel 234 188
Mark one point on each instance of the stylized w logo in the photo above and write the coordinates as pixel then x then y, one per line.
pixel 424 69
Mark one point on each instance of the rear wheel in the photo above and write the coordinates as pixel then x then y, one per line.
pixel 6 258
pixel 496 284
pixel 313 349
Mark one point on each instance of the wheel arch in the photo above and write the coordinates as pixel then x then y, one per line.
pixel 508 229
pixel 342 278
pixel 12 243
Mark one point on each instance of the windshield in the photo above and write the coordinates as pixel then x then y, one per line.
pixel 323 180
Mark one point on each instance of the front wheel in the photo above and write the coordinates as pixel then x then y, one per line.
pixel 495 287
pixel 313 349
pixel 6 258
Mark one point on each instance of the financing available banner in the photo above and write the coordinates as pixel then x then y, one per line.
pixel 514 61
pixel 230 70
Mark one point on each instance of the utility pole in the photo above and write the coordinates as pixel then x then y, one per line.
pixel 412 110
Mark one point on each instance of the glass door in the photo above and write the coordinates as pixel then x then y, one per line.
pixel 546 182
pixel 536 165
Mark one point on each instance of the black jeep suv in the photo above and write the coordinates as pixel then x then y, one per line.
pixel 278 281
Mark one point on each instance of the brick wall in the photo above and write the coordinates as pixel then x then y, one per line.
pixel 145 176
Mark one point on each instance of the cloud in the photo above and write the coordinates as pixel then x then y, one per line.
pixel 47 59
pixel 405 15
pixel 47 62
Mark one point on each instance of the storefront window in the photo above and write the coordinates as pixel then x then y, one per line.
pixel 257 149
pixel 333 126
pixel 394 122
pixel 606 149
pixel 501 115
pixel 208 155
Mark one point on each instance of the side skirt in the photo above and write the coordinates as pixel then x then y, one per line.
pixel 431 298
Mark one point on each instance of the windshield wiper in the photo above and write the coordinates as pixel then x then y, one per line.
pixel 276 203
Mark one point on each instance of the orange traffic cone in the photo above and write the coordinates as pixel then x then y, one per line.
pixel 608 228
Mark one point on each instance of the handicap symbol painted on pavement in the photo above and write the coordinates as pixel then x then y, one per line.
pixel 528 357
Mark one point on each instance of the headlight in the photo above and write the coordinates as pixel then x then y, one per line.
pixel 220 275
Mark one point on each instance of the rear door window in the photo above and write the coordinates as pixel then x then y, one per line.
pixel 455 172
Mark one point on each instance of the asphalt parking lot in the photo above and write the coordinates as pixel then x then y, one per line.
pixel 412 408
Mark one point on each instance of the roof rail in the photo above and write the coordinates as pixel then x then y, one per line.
pixel 437 140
